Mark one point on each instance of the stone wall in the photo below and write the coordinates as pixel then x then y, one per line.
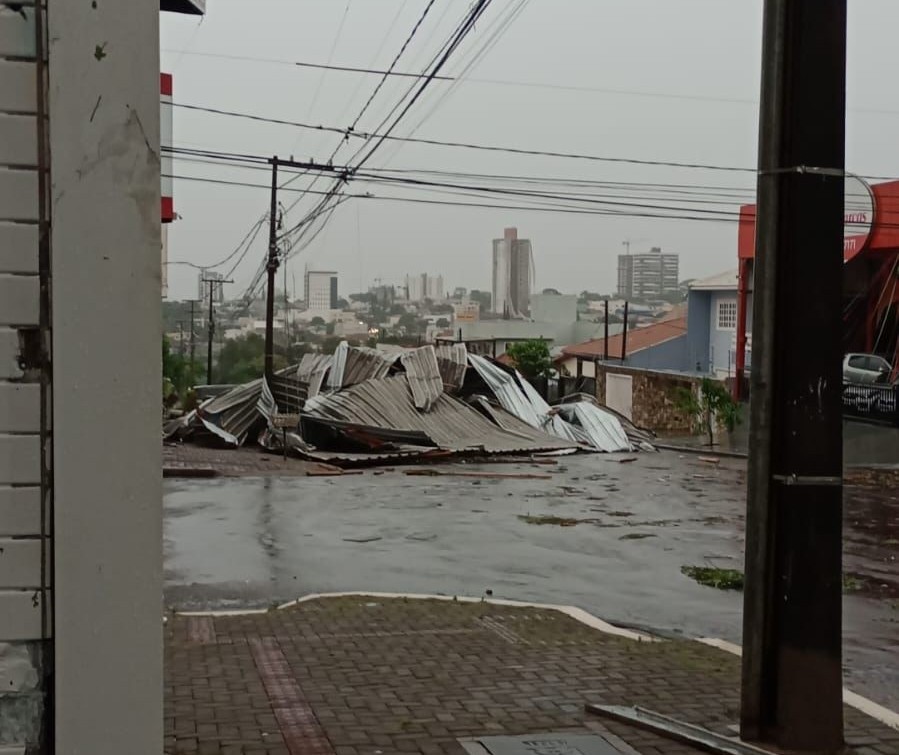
pixel 654 397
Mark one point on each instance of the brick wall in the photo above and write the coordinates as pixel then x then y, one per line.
pixel 654 397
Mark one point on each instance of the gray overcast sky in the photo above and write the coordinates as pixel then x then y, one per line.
pixel 665 80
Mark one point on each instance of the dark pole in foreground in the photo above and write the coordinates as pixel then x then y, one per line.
pixel 271 268
pixel 624 336
pixel 792 682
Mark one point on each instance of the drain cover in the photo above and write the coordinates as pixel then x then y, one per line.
pixel 543 744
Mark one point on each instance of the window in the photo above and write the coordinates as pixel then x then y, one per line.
pixel 727 314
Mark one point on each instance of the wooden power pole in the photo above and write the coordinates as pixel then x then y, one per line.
pixel 211 282
pixel 271 268
pixel 193 333
pixel 792 676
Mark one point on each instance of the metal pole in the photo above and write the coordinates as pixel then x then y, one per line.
pixel 212 283
pixel 605 346
pixel 792 682
pixel 624 336
pixel 271 267
pixel 211 330
pixel 193 333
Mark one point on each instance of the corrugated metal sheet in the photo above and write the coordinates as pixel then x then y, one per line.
pixel 450 424
pixel 312 371
pixel 517 396
pixel 232 415
pixel 602 429
pixel 453 361
pixel 353 364
pixel 423 375
pixel 289 393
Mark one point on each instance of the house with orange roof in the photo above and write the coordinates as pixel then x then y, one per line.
pixel 659 346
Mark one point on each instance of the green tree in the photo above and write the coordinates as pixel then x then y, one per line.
pixel 243 359
pixel 443 323
pixel 317 322
pixel 178 375
pixel 408 322
pixel 710 404
pixel 531 358
pixel 483 298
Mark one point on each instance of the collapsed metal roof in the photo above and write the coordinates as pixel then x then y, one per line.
pixel 450 424
pixel 373 414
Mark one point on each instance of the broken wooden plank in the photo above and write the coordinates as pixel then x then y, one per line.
pixel 477 475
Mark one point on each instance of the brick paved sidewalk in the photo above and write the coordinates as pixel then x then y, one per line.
pixel 361 676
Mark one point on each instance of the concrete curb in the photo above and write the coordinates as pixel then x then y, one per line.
pixel 853 700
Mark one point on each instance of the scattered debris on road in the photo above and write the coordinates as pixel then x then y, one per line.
pixel 559 521
pixel 477 475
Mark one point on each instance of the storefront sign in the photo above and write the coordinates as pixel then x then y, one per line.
pixel 858 216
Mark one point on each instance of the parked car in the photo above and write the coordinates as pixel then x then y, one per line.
pixel 866 368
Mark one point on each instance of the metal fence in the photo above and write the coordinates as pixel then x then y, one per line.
pixel 878 402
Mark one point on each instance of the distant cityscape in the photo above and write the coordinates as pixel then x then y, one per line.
pixel 420 307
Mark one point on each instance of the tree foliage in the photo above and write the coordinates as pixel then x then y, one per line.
pixel 531 358
pixel 483 298
pixel 710 405
pixel 178 375
pixel 243 359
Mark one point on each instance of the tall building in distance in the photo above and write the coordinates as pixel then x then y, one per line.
pixel 424 286
pixel 648 275
pixel 321 290
pixel 513 275
pixel 218 289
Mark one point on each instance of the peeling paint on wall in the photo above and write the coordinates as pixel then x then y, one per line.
pixel 21 698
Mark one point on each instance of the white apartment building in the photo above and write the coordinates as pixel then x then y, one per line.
pixel 321 290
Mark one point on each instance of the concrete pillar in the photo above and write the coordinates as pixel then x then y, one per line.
pixel 105 239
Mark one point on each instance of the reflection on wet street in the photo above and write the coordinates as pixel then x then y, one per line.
pixel 630 528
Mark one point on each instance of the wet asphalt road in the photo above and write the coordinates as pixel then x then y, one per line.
pixel 251 542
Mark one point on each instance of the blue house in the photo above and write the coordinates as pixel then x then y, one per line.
pixel 712 325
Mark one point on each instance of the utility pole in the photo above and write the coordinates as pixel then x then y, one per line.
pixel 624 336
pixel 211 282
pixel 792 677
pixel 605 343
pixel 271 268
pixel 193 333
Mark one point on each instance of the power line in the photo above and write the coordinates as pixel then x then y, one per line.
pixel 679 191
pixel 448 48
pixel 615 91
pixel 321 79
pixel 724 217
pixel 393 63
pixel 698 195
pixel 499 148
pixel 466 145
pixel 372 96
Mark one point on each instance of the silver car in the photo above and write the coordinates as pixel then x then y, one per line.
pixel 866 368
